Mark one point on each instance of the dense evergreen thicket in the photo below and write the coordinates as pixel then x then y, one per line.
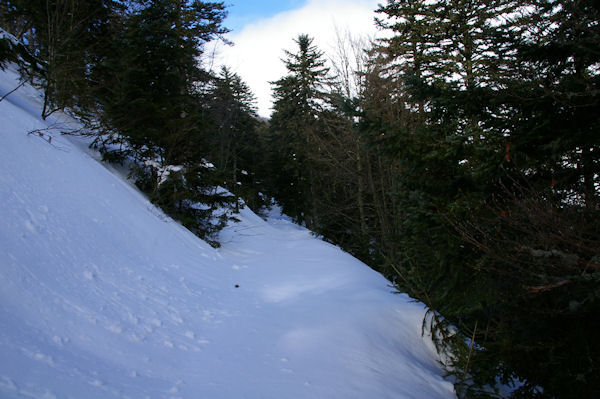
pixel 459 157
pixel 465 168
pixel 132 72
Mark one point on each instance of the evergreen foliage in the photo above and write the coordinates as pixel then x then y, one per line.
pixel 294 123
pixel 64 35
pixel 131 71
pixel 460 171
pixel 494 131
pixel 151 88
pixel 15 52
pixel 235 146
pixel 192 196
pixel 151 107
pixel 460 159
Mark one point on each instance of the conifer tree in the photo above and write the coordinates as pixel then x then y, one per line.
pixel 151 93
pixel 151 107
pixel 299 99
pixel 503 145
pixel 550 94
pixel 66 36
pixel 234 144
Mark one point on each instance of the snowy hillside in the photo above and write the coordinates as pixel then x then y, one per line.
pixel 102 296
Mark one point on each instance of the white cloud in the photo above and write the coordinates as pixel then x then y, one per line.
pixel 259 46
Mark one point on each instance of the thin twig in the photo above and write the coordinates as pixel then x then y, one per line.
pixel 470 351
pixel 12 91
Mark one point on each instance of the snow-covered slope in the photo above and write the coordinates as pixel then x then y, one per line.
pixel 102 296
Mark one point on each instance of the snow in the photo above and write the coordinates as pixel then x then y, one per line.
pixel 163 171
pixel 103 296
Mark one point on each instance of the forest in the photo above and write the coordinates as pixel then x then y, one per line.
pixel 458 157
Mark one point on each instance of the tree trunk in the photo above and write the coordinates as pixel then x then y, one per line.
pixel 361 203
pixel 591 197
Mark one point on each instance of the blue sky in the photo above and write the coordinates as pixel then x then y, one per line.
pixel 242 12
pixel 263 29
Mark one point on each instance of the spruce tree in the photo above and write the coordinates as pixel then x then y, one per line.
pixel 234 145
pixel 151 108
pixel 502 156
pixel 299 99
pixel 551 93
pixel 151 92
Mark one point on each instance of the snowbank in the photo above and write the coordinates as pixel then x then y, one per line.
pixel 103 296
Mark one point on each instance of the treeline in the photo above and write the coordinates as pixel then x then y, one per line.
pixel 459 157
pixel 134 72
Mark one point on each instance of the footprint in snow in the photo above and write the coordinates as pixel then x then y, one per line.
pixel 156 323
pixel 29 226
pixel 168 344
pixel 88 275
pixel 7 384
pixel 115 329
pixel 190 334
pixel 60 341
pixel 40 357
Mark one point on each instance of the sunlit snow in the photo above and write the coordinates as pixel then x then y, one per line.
pixel 103 296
